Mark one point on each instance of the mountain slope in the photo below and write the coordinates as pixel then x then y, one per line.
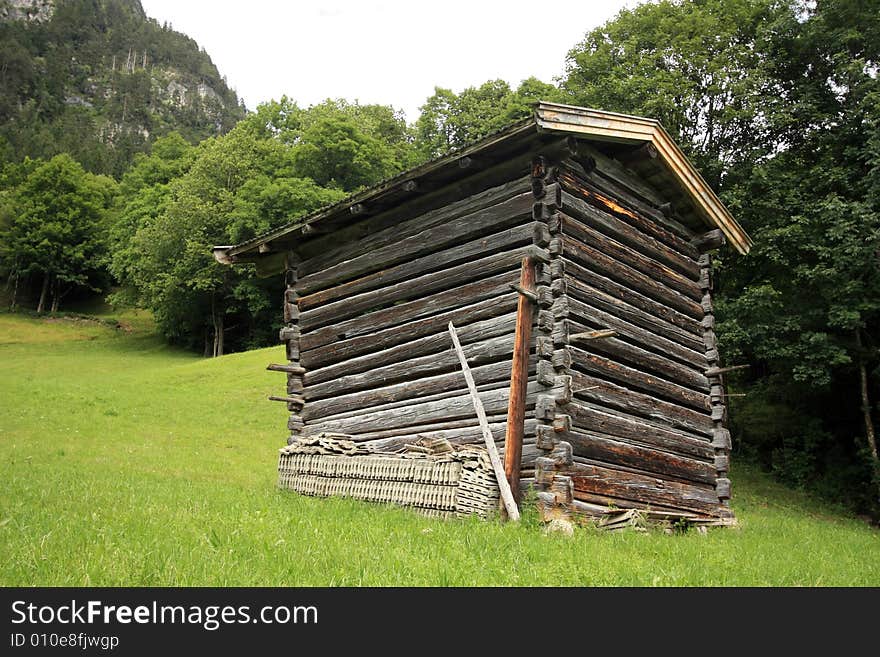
pixel 100 80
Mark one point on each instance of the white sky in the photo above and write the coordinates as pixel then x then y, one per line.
pixel 391 52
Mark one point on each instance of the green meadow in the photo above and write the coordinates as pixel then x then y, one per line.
pixel 125 462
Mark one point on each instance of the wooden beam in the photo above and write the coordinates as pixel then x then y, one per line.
pixel 290 369
pixel 523 291
pixel 506 494
pixel 593 335
pixel 715 371
pixel 714 239
pixel 519 377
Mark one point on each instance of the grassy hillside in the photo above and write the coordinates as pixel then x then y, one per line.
pixel 125 462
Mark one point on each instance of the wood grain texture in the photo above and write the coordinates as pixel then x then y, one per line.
pixel 468 229
pixel 410 367
pixel 588 315
pixel 600 300
pixel 432 304
pixel 432 256
pixel 615 450
pixel 519 378
pixel 609 368
pixel 623 232
pixel 594 479
pixel 614 396
pixel 405 221
pixel 645 360
pixel 595 259
pixel 416 287
pixel 406 332
pixel 574 272
pixel 588 416
pixel 621 253
pixel 430 344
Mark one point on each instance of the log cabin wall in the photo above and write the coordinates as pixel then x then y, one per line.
pixel 645 424
pixel 370 333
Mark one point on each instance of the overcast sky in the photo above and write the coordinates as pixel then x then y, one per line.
pixel 391 52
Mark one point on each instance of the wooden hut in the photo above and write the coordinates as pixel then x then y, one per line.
pixel 585 233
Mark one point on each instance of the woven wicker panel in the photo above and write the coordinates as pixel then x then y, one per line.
pixel 458 483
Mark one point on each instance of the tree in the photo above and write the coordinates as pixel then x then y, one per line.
pixel 58 228
pixel 449 121
pixel 699 67
pixel 778 103
pixel 229 189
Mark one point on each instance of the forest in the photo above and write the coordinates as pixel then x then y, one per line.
pixel 777 102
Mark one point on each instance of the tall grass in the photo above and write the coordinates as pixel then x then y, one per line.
pixel 126 462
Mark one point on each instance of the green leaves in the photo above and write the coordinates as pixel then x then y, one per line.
pixel 279 163
pixel 54 224
pixel 449 121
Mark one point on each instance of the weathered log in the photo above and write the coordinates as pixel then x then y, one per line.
pixel 294 400
pixel 606 302
pixel 290 369
pixel 506 494
pixel 433 256
pixel 406 332
pixel 623 254
pixel 585 313
pixel 530 296
pixel 721 438
pixel 519 377
pixel 638 403
pixel 585 415
pixel 584 281
pixel 647 360
pixel 545 374
pixel 462 424
pixel 446 408
pixel 397 314
pixel 401 222
pixel 715 371
pixel 714 239
pixel 595 364
pixel 597 260
pixel 615 450
pixel 609 192
pixel 646 489
pixel 722 487
pixel 587 336
pixel 479 353
pixel 477 331
pixel 418 286
pixel 469 433
pixel 402 393
pixel 489 220
pixel 288 333
pixel 625 233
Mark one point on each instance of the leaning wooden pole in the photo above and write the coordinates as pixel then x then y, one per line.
pixel 519 377
pixel 506 495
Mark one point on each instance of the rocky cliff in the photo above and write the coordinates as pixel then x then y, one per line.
pixel 100 80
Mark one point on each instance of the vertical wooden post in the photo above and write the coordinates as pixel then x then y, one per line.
pixel 519 379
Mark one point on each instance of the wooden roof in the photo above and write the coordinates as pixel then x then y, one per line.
pixel 663 165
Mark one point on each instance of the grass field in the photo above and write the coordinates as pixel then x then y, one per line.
pixel 125 462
